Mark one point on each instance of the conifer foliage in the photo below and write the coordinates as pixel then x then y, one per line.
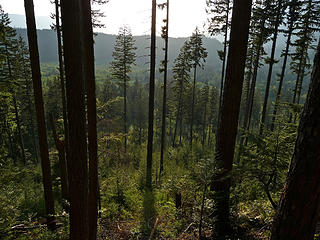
pixel 123 58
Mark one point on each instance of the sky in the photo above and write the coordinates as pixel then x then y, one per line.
pixel 185 15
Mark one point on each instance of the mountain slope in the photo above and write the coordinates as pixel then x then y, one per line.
pixel 104 45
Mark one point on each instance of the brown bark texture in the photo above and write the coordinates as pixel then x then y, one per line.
pixel 72 30
pixel 228 124
pixel 38 99
pixel 299 208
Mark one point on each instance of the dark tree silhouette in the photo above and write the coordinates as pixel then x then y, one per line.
pixel 72 30
pixel 151 96
pixel 38 99
pixel 228 124
pixel 165 34
pixel 299 208
pixel 88 64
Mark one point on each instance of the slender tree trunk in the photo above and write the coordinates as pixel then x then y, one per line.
pixel 227 128
pixel 32 130
pixel 12 152
pixel 181 128
pixel 225 43
pixel 60 145
pixel 164 100
pixel 88 61
pixel 302 63
pixel 249 108
pixel 273 50
pixel 179 113
pixel 38 100
pixel 192 106
pixel 125 96
pixel 283 70
pixel 23 154
pixel 299 208
pixel 125 107
pixel 204 125
pixel 151 96
pixel 246 114
pixel 73 35
pixel 62 82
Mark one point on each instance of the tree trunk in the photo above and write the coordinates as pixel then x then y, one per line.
pixel 192 106
pixel 32 130
pixel 60 145
pixel 62 82
pixel 73 35
pixel 38 100
pixel 248 115
pixel 125 108
pixel 204 125
pixel 225 43
pixel 273 50
pixel 283 70
pixel 151 96
pixel 88 61
pixel 164 100
pixel 299 205
pixel 178 115
pixel 23 154
pixel 227 128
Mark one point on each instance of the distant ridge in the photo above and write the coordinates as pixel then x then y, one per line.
pixel 104 45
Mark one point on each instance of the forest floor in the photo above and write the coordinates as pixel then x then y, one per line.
pixel 125 230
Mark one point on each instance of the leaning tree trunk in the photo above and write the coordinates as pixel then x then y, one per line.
pixel 38 100
pixel 299 208
pixel 73 35
pixel 88 61
pixel 151 96
pixel 228 124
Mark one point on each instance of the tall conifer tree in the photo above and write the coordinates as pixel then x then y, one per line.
pixel 123 58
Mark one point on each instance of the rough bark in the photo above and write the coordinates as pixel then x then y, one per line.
pixel 299 205
pixel 227 128
pixel 88 61
pixel 72 30
pixel 151 96
pixel 38 99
